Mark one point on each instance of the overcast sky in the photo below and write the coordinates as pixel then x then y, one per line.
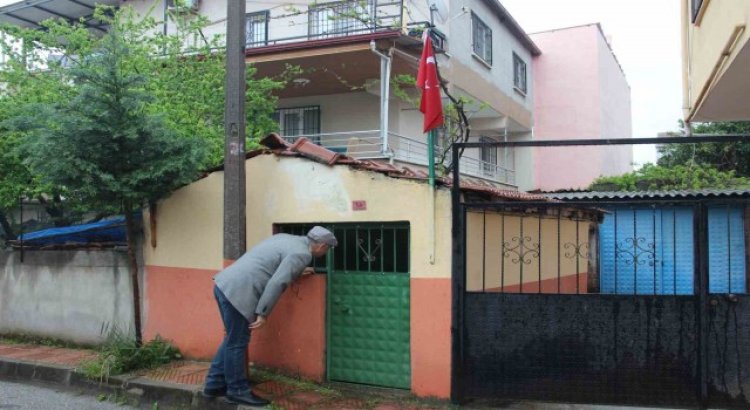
pixel 646 40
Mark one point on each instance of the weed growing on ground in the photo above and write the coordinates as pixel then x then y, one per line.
pixel 120 354
pixel 301 384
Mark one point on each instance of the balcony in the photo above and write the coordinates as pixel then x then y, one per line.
pixel 330 20
pixel 322 21
pixel 370 145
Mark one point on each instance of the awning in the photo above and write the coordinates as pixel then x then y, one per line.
pixel 30 13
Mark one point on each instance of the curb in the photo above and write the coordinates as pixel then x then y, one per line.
pixel 139 392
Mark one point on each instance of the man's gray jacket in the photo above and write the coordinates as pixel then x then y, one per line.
pixel 254 283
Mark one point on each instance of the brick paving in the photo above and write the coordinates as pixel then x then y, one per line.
pixel 288 396
pixel 46 354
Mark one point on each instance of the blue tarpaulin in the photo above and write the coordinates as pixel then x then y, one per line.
pixel 110 230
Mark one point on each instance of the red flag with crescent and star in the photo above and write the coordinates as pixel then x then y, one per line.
pixel 427 80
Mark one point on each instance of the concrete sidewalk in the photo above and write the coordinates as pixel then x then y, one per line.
pixel 179 384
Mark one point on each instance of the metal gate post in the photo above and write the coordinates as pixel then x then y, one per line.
pixel 700 222
pixel 458 281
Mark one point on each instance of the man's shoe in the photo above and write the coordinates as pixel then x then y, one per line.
pixel 249 399
pixel 214 393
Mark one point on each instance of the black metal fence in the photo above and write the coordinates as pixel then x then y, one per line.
pixel 608 301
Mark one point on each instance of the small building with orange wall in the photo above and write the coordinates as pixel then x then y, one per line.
pixel 379 310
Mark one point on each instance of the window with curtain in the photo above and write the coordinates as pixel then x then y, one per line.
pixel 481 39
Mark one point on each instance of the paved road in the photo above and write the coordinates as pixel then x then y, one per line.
pixel 14 396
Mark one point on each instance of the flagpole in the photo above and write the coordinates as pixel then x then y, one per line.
pixel 431 174
pixel 431 156
pixel 431 106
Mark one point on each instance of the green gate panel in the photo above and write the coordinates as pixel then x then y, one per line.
pixel 369 332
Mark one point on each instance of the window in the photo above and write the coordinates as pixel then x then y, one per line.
pixel 489 157
pixel 256 29
pixel 696 8
pixel 519 74
pixel 481 39
pixel 299 121
pixel 341 19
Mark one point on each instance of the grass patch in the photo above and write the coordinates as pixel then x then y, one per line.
pixel 298 383
pixel 120 354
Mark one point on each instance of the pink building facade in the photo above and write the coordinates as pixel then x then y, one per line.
pixel 580 91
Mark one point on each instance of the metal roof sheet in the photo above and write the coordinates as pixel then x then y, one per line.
pixel 674 194
pixel 30 13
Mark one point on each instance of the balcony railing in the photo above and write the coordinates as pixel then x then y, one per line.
pixel 323 20
pixel 369 145
pixel 356 144
pixel 415 152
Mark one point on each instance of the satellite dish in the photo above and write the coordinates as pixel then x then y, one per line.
pixel 439 9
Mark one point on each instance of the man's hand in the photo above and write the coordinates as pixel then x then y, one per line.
pixel 308 271
pixel 260 320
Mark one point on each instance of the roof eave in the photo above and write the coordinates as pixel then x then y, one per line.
pixel 514 27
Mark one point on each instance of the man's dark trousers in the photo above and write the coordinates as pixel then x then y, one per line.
pixel 228 369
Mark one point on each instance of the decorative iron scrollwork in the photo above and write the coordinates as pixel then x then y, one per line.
pixel 522 248
pixel 369 257
pixel 580 250
pixel 636 252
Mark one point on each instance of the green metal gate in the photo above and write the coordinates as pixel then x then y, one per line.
pixel 368 306
pixel 368 329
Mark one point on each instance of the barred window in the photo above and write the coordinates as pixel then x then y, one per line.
pixel 481 39
pixel 299 121
pixel 519 74
pixel 256 29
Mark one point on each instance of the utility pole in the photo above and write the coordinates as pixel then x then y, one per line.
pixel 234 134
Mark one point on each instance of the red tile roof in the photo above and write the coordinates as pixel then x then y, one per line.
pixel 305 148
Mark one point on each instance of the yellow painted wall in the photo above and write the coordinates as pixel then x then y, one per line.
pixel 179 304
pixel 486 233
pixel 300 190
pixel 189 227
pixel 703 43
pixel 289 190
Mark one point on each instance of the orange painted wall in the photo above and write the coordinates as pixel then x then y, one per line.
pixel 565 285
pixel 293 340
pixel 180 307
pixel 431 337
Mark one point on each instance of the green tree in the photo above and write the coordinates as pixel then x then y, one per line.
pixel 730 156
pixel 104 146
pixel 660 178
pixel 185 72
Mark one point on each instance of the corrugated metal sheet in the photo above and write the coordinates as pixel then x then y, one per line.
pixel 677 194
pixel 30 13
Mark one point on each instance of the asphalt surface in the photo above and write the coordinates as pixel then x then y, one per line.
pixel 14 396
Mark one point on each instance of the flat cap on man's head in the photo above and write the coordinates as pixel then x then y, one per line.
pixel 322 235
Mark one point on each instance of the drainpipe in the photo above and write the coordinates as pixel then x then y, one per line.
pixel 385 85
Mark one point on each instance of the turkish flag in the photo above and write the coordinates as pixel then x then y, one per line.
pixel 430 105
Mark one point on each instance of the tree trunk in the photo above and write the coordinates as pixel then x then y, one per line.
pixel 9 234
pixel 55 210
pixel 130 231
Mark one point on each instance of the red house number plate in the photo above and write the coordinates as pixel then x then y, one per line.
pixel 359 205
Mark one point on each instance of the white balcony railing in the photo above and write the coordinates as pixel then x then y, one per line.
pixel 356 144
pixel 413 151
pixel 369 145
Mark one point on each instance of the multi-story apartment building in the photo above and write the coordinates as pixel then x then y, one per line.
pixel 349 51
pixel 716 60
pixel 580 92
